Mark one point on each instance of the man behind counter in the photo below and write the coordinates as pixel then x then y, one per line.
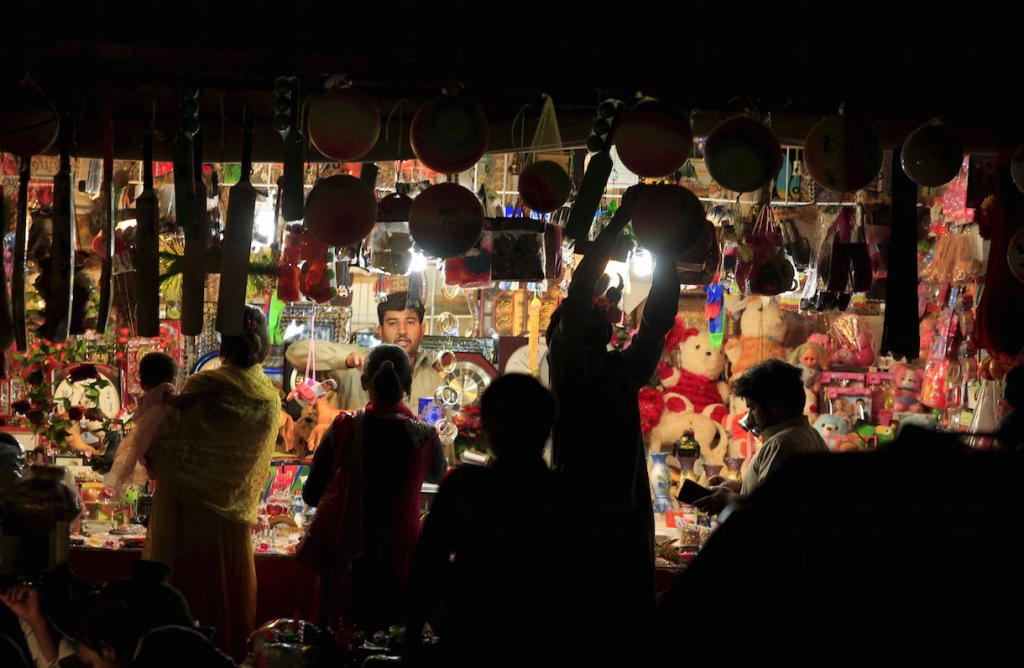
pixel 401 323
pixel 773 391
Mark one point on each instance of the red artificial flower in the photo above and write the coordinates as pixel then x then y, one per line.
pixel 22 406
pixel 75 413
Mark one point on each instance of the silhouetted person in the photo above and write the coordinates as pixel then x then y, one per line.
pixel 389 454
pixel 774 393
pixel 909 554
pixel 598 448
pixel 124 611
pixel 501 598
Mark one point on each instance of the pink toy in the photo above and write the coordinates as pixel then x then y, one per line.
pixel 906 391
pixel 309 391
pixel 853 343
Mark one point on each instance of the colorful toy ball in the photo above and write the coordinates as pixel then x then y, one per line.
pixel 544 185
pixel 742 154
pixel 842 153
pixel 446 220
pixel 449 134
pixel 668 220
pixel 340 210
pixel 932 155
pixel 653 139
pixel 343 124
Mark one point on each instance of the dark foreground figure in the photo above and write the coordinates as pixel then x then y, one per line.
pixel 910 555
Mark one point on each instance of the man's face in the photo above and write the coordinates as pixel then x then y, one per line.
pixel 758 415
pixel 402 328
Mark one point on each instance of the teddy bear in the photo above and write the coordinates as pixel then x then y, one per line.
pixel 831 425
pixel 763 326
pixel 907 380
pixel 695 380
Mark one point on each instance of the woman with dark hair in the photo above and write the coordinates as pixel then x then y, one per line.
pixel 211 470
pixel 391 454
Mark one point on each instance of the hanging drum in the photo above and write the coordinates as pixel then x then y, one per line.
pixel 449 134
pixel 544 186
pixel 842 153
pixel 742 154
pixel 446 220
pixel 343 124
pixel 653 139
pixel 932 155
pixel 340 210
pixel 668 220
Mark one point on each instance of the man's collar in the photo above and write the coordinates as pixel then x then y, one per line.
pixel 421 358
pixel 799 420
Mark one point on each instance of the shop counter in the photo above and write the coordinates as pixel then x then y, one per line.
pixel 284 587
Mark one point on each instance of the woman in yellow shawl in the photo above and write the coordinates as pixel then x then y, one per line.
pixel 210 473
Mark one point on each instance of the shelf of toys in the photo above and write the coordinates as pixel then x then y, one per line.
pixel 830 325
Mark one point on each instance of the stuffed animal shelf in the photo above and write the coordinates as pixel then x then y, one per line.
pixel 763 326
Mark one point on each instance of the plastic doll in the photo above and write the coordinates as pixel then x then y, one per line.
pixel 808 357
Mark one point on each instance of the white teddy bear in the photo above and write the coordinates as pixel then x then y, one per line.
pixel 696 383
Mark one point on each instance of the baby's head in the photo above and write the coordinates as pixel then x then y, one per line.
pixel 156 368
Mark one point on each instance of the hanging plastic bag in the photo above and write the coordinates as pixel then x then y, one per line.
pixel 833 259
pixel 517 249
pixel 767 269
pixel 858 256
pixel 390 241
pixel 553 268
pixel 852 343
pixel 986 415
pixel 391 248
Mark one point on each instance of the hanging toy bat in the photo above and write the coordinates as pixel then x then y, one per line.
pixel 309 391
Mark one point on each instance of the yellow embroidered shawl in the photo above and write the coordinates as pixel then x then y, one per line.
pixel 219 454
